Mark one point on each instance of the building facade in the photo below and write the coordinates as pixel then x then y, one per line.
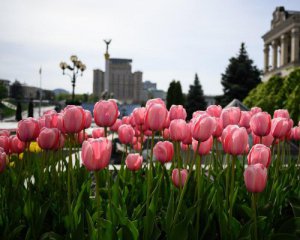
pixel 118 81
pixel 282 43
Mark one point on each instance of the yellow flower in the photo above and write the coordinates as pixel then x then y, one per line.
pixel 34 147
pixel 21 156
pixel 12 164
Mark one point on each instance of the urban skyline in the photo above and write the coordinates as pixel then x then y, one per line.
pixel 163 45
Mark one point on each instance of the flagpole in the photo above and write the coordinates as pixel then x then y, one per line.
pixel 40 105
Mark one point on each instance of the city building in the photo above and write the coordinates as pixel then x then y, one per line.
pixel 282 43
pixel 118 81
pixel 210 100
pixel 149 91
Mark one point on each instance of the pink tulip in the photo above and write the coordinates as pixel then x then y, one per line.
pixel 166 134
pixel 155 101
pixel 88 119
pixel 234 140
pixel 155 117
pixel 116 125
pixel 167 121
pixel 163 151
pixel 106 113
pixel 204 148
pixel 214 110
pixel 188 139
pixel 48 138
pixel 16 145
pixel 259 153
pixel 184 147
pixel 126 120
pixel 260 124
pixel 255 110
pixel 148 133
pixel 126 133
pixel 96 153
pixel 177 112
pixel 139 115
pixel 61 142
pixel 28 129
pixel 4 143
pixel 279 127
pixel 283 113
pixel 2 160
pixel 73 119
pixel 230 116
pixel 49 120
pixel 245 119
pixel 200 113
pixel 219 128
pixel 178 130
pixel 134 161
pixel 98 132
pixel 137 147
pixel 51 111
pixel 266 140
pixel 60 123
pixel 175 177
pixel 81 136
pixel 296 133
pixel 255 177
pixel 203 127
pixel 5 132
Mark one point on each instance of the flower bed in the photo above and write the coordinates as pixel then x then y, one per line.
pixel 56 184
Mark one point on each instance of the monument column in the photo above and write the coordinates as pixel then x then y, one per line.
pixel 106 74
pixel 274 50
pixel 295 45
pixel 283 50
pixel 266 56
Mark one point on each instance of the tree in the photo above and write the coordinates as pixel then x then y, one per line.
pixel 16 90
pixel 30 108
pixel 174 94
pixel 195 98
pixel 3 91
pixel 240 77
pixel 277 93
pixel 19 112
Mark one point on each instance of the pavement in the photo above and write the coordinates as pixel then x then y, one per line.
pixel 10 123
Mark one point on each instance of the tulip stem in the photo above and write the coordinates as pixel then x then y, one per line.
pixel 178 164
pixel 105 131
pixel 227 180
pixel 149 182
pixel 69 181
pixel 232 184
pixel 142 137
pixel 98 203
pixel 254 199
pixel 199 181
pixel 298 161
pixel 277 161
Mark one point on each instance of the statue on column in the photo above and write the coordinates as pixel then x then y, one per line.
pixel 107 42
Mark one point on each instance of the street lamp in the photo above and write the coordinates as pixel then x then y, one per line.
pixel 76 68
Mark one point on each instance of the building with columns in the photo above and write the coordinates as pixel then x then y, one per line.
pixel 282 43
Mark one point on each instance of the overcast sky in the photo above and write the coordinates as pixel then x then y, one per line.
pixel 167 39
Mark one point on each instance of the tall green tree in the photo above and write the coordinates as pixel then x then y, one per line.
pixel 16 90
pixel 174 94
pixel 240 77
pixel 195 98
pixel 3 91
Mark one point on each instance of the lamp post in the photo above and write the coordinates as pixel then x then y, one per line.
pixel 76 68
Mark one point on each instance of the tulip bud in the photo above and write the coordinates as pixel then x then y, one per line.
pixel 126 133
pixel 230 116
pixel 203 127
pixel 260 124
pixel 259 153
pixel 214 110
pixel 16 145
pixel 48 138
pixel 73 119
pixel 163 151
pixel 134 161
pixel 98 132
pixel 204 148
pixel 234 140
pixel 177 112
pixel 106 113
pixel 178 130
pixel 175 177
pixel 155 117
pixel 28 129
pixel 255 177
pixel 2 160
pixel 96 153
